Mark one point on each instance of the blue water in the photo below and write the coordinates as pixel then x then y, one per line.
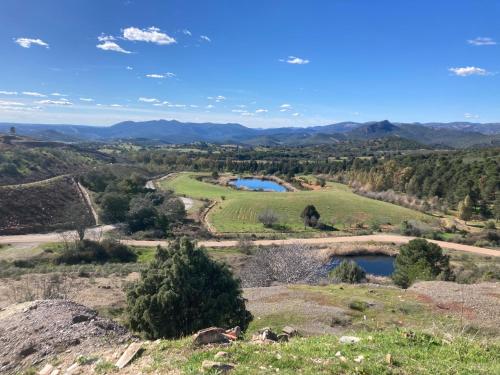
pixel 379 265
pixel 258 184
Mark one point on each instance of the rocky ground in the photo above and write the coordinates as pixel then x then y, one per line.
pixel 33 331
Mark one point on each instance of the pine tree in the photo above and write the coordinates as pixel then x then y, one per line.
pixel 310 215
pixel 183 291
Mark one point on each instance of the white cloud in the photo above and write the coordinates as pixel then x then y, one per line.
pixel 31 93
pixel 57 94
pixel 239 110
pixel 247 114
pixel 150 35
pixel 161 76
pixel 105 38
pixel 482 41
pixel 148 100
pixel 27 42
pixel 218 98
pixel 187 32
pixel 296 60
pixel 116 105
pixel 261 110
pixel 205 38
pixel 286 106
pixel 111 46
pixel 469 71
pixel 86 99
pixel 9 103
pixel 193 106
pixel 471 116
pixel 8 92
pixel 129 68
pixel 177 105
pixel 210 106
pixel 55 102
pixel 295 114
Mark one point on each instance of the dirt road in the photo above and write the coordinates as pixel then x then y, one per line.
pixel 384 238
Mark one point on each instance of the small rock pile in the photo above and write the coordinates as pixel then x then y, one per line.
pixel 35 331
pixel 267 336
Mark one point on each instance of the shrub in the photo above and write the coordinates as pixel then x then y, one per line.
pixel 347 271
pixel 114 207
pixel 268 218
pixel 183 291
pixel 310 216
pixel 87 251
pixel 358 305
pixel 420 260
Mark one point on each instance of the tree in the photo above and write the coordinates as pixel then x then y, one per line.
pixel 12 130
pixel 347 272
pixel 465 209
pixel 420 260
pixel 496 206
pixel 182 291
pixel 114 207
pixel 268 218
pixel 310 215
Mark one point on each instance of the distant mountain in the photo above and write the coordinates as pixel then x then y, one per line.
pixel 175 132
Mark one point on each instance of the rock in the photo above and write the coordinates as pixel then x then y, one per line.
pixel 283 337
pixel 359 359
pixel 80 318
pixel 290 331
pixel 46 370
pixel 236 332
pixel 128 355
pixel 268 334
pixel 217 366
pixel 349 340
pixel 212 335
pixel 388 359
pixel 73 369
pixel 55 372
pixel 27 349
pixel 221 355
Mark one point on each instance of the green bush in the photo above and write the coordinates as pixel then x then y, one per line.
pixel 347 271
pixel 183 291
pixel 358 305
pixel 87 251
pixel 420 260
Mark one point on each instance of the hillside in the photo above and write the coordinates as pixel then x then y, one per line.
pixel 175 132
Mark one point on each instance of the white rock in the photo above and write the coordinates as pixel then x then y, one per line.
pixel 349 339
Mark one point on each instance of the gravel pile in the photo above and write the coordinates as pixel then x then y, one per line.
pixel 34 331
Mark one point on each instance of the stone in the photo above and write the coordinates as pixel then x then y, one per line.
pixel 388 359
pixel 338 354
pixel 55 372
pixel 290 331
pixel 212 335
pixel 46 370
pixel 73 369
pixel 217 366
pixel 349 340
pixel 27 349
pixel 80 318
pixel 268 334
pixel 128 355
pixel 283 337
pixel 359 359
pixel 221 355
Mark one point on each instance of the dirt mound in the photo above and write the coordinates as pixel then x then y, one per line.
pixel 33 331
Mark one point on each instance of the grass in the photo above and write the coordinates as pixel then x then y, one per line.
pixel 237 211
pixel 410 353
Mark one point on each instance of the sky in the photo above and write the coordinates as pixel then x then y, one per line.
pixel 260 63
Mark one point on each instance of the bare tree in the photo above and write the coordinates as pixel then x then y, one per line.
pixel 288 264
pixel 268 217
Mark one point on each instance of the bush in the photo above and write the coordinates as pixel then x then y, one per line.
pixel 183 291
pixel 420 260
pixel 358 305
pixel 87 251
pixel 347 271
pixel 268 218
pixel 114 207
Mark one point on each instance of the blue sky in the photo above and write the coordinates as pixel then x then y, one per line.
pixel 261 63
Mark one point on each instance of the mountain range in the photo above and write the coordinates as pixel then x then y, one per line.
pixel 454 135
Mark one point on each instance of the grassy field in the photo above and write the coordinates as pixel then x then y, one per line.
pixel 237 211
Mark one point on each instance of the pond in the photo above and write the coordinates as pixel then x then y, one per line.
pixel 378 265
pixel 258 184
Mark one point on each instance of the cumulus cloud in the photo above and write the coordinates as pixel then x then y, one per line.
pixel 295 60
pixel 111 46
pixel 205 38
pixel 31 93
pixel 86 99
pixel 187 32
pixel 149 35
pixel 8 92
pixel 469 71
pixel 148 100
pixel 261 110
pixel 482 41
pixel 210 106
pixel 218 98
pixel 105 38
pixel 161 76
pixel 55 102
pixel 295 114
pixel 471 116
pixel 28 42
pixel 57 94
pixel 129 68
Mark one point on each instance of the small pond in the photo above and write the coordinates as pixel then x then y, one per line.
pixel 379 265
pixel 258 184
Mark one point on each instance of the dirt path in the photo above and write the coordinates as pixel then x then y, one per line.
pixel 86 196
pixel 380 238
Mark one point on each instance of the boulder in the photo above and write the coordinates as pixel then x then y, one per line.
pixel 128 355
pixel 212 335
pixel 349 340
pixel 283 337
pixel 290 331
pixel 268 334
pixel 46 370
